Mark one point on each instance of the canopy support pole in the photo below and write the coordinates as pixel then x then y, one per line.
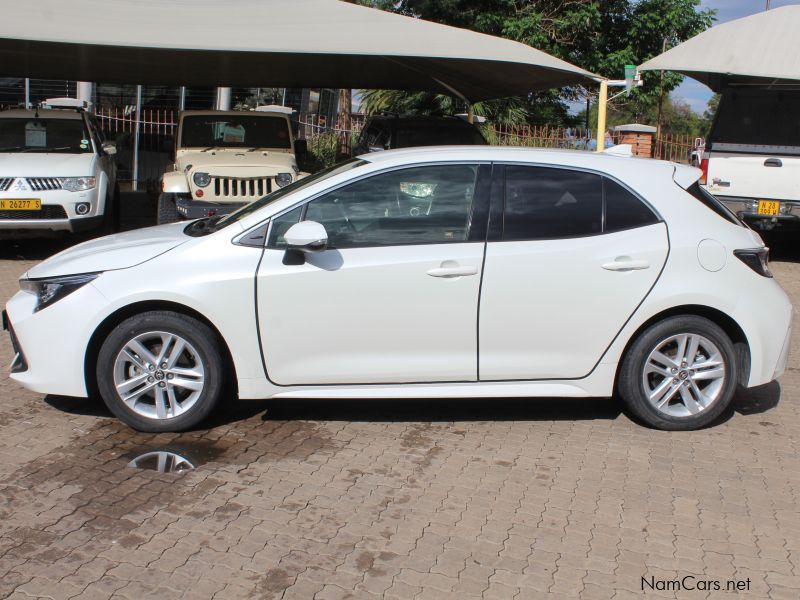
pixel 27 94
pixel 602 102
pixel 135 174
pixel 470 114
pixel 182 98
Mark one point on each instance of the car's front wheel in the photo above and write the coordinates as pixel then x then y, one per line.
pixel 160 371
pixel 679 374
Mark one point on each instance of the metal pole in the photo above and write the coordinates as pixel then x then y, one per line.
pixel 27 93
pixel 223 98
pixel 84 92
pixel 602 101
pixel 182 98
pixel 136 138
pixel 768 2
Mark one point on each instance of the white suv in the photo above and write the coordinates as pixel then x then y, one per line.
pixel 56 172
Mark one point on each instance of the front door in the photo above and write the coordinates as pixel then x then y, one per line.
pixel 394 298
pixel 576 255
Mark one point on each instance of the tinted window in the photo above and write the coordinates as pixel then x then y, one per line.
pixel 423 205
pixel 758 117
pixel 544 203
pixel 434 133
pixel 623 209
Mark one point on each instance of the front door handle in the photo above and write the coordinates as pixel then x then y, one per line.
pixel 453 271
pixel 623 263
pixel 773 162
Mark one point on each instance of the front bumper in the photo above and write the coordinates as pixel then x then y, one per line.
pixel 58 212
pixel 198 209
pixel 54 340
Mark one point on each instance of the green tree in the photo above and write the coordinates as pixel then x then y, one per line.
pixel 601 36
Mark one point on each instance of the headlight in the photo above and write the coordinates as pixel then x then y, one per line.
pixel 51 290
pixel 78 184
pixel 283 179
pixel 201 179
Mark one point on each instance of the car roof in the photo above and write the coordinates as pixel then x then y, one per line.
pixel 44 113
pixel 420 119
pixel 615 165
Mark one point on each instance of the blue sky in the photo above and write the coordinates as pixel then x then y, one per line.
pixel 695 93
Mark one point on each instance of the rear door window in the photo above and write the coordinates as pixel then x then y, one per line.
pixel 546 203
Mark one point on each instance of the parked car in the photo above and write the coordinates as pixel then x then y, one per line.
pixel 226 159
pixel 57 171
pixel 752 158
pixel 421 273
pixel 389 132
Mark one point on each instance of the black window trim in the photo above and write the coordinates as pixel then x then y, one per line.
pixel 476 200
pixel 496 236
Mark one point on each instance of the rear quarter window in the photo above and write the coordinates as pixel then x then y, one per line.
pixel 710 201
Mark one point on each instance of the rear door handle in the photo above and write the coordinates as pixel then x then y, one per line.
pixel 453 271
pixel 626 264
pixel 773 162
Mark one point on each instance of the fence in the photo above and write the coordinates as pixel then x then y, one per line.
pixel 158 126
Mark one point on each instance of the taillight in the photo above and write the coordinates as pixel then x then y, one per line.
pixel 755 258
pixel 704 169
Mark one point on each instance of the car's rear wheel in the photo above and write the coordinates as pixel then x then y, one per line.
pixel 160 371
pixel 167 209
pixel 679 374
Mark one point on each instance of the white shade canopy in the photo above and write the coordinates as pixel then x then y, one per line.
pixel 761 49
pixel 282 43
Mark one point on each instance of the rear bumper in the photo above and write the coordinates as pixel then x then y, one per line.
pixel 746 209
pixel 197 209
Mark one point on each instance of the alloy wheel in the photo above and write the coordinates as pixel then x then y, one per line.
pixel 159 375
pixel 684 374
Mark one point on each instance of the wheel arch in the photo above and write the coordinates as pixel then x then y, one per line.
pixel 115 318
pixel 731 328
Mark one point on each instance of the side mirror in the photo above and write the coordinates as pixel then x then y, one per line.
pixel 375 148
pixel 306 236
pixel 300 148
pixel 109 148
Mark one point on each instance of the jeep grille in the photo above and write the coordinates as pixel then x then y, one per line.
pixel 234 187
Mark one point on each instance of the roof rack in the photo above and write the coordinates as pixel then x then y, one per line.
pixel 65 103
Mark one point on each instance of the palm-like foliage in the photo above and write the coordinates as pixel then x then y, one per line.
pixel 506 111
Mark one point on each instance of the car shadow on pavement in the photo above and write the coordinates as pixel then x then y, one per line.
pixel 443 410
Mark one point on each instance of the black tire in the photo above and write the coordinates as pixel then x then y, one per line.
pixel 167 209
pixel 199 337
pixel 631 384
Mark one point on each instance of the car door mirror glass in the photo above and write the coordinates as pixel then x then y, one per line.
pixel 109 148
pixel 306 236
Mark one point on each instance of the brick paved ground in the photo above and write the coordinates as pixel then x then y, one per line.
pixel 466 499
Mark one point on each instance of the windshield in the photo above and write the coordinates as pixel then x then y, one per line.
pixel 209 225
pixel 233 131
pixel 29 134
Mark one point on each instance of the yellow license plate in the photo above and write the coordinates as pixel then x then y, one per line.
pixel 769 207
pixel 21 204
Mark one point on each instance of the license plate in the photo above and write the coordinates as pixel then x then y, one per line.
pixel 769 207
pixel 21 204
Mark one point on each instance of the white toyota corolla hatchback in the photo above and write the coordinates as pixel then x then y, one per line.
pixel 420 273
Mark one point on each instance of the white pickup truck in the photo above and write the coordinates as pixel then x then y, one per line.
pixel 752 157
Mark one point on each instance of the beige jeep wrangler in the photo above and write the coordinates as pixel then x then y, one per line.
pixel 226 159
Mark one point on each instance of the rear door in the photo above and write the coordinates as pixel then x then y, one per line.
pixel 575 256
